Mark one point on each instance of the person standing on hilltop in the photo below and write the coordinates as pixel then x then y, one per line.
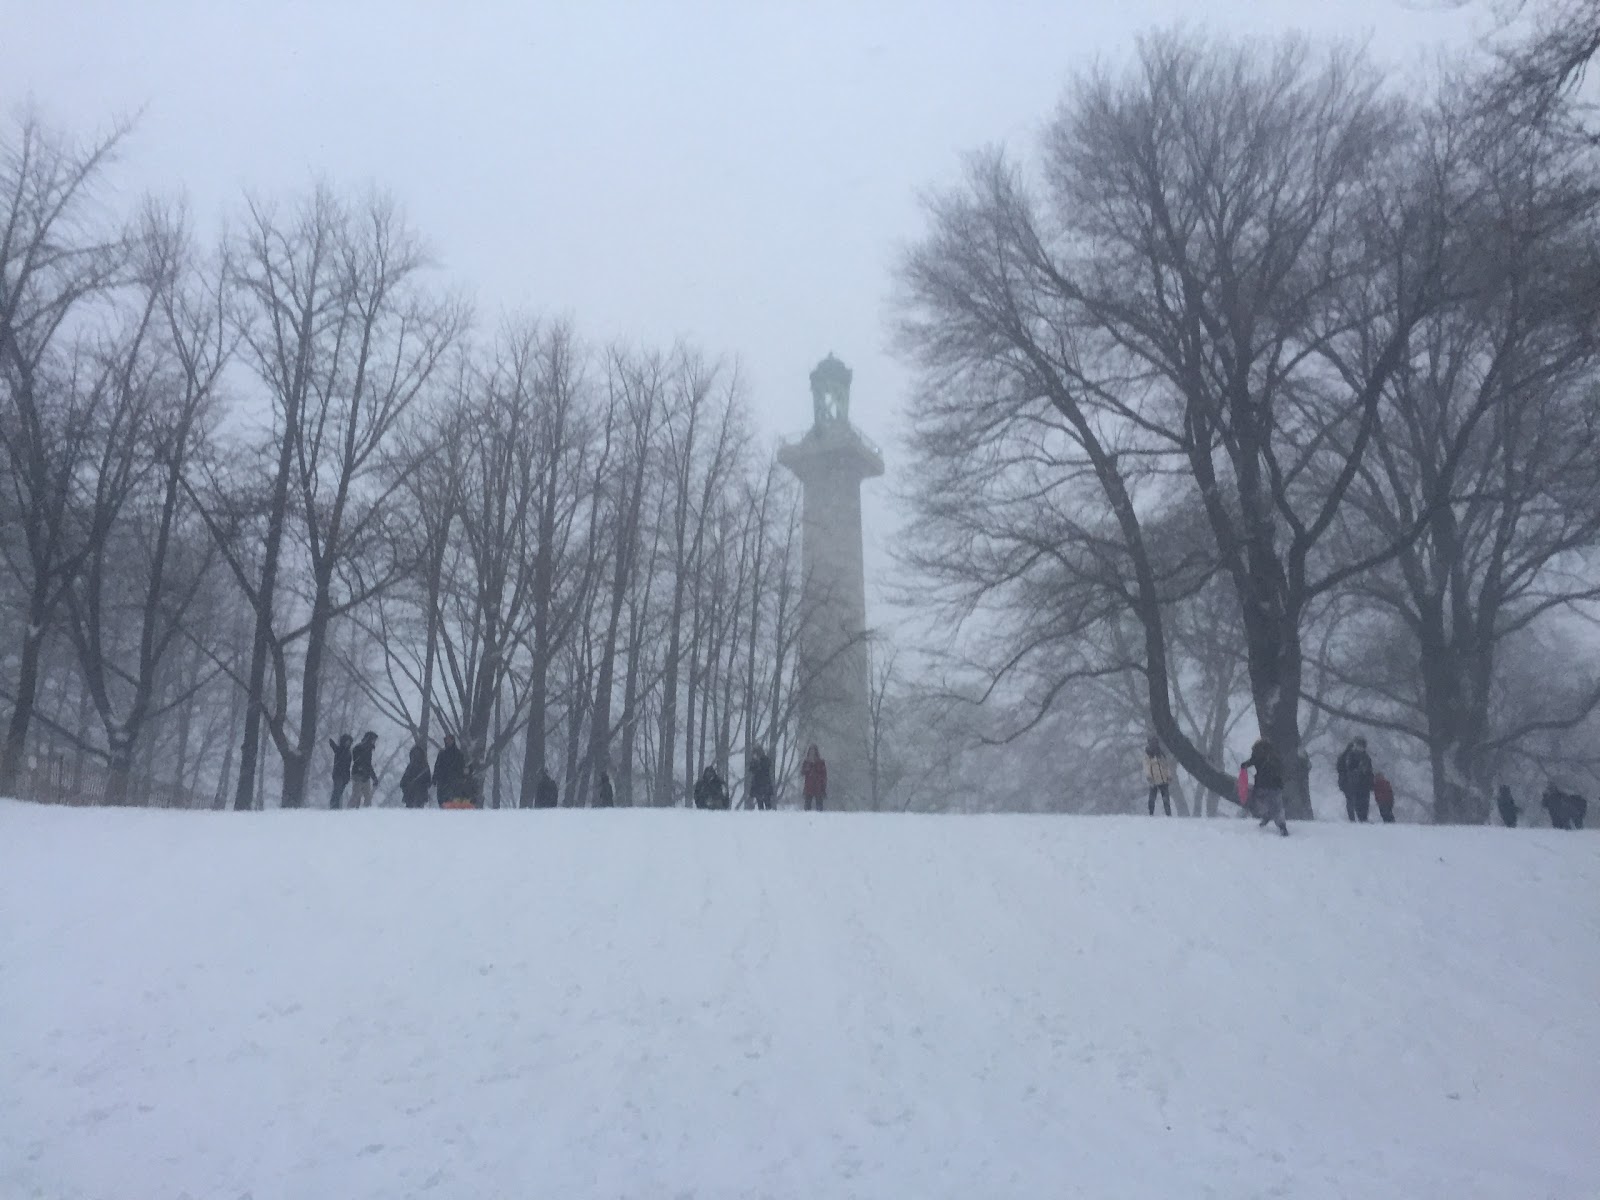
pixel 546 793
pixel 759 774
pixel 416 779
pixel 362 773
pixel 448 768
pixel 1266 797
pixel 341 768
pixel 1158 774
pixel 814 777
pixel 1383 794
pixel 1355 779
pixel 709 791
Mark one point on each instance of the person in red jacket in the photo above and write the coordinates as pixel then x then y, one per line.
pixel 815 774
pixel 1383 793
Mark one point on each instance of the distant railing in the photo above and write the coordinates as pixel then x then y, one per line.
pixel 867 443
pixel 56 779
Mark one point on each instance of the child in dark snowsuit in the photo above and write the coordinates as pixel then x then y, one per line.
pixel 1266 796
pixel 416 779
pixel 709 790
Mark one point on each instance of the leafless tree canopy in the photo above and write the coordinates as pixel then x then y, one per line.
pixel 1190 342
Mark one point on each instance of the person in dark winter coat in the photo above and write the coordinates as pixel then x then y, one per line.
pixel 759 773
pixel 1158 774
pixel 1383 793
pixel 416 779
pixel 1567 809
pixel 1355 779
pixel 467 789
pixel 1266 797
pixel 448 768
pixel 1507 806
pixel 605 795
pixel 814 779
pixel 341 768
pixel 709 790
pixel 362 773
pixel 547 794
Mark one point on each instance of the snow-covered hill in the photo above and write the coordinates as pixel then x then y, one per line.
pixel 661 1004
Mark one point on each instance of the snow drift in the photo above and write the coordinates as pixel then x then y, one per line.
pixel 638 1004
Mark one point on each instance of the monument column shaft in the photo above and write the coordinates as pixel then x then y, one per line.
pixel 833 703
pixel 831 461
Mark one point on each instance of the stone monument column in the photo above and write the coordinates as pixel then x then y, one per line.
pixel 831 459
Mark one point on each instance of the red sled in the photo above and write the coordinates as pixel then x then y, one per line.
pixel 1244 787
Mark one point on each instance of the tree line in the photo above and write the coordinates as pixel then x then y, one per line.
pixel 1263 392
pixel 286 484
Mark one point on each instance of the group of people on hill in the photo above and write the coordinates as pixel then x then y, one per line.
pixel 352 764
pixel 455 783
pixel 1359 783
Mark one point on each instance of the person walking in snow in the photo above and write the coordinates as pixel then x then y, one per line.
pixel 709 790
pixel 814 779
pixel 1266 797
pixel 1158 773
pixel 1355 779
pixel 605 794
pixel 1383 793
pixel 759 773
pixel 362 773
pixel 341 768
pixel 448 768
pixel 416 779
pixel 547 794
pixel 1508 807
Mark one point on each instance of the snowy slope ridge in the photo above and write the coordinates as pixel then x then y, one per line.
pixel 664 1004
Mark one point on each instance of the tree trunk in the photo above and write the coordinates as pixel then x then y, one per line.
pixel 11 761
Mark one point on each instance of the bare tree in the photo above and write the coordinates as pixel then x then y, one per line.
pixel 58 255
pixel 145 552
pixel 1225 267
pixel 345 338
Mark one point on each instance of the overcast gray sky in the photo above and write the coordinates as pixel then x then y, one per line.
pixel 738 173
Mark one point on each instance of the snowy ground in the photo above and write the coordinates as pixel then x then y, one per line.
pixel 663 1004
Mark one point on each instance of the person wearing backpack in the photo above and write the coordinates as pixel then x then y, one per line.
pixel 1355 779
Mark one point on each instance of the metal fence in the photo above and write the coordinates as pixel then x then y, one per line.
pixel 63 779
